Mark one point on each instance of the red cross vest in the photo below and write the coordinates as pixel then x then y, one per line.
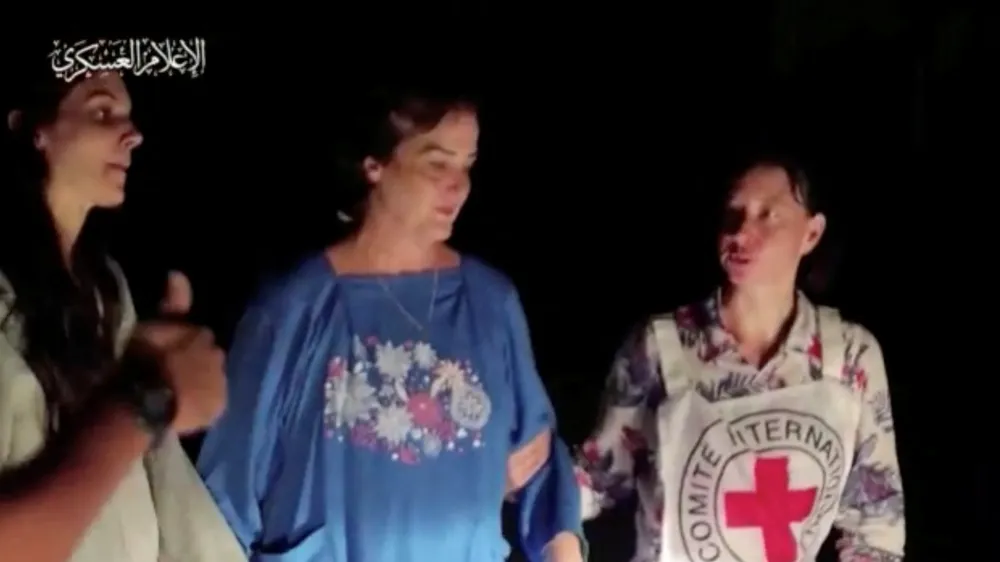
pixel 758 478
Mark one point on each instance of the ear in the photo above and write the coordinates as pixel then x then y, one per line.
pixel 814 233
pixel 14 119
pixel 372 170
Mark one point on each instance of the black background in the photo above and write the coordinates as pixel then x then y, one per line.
pixel 605 135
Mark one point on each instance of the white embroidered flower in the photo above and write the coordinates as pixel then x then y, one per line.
pixel 432 445
pixel 359 402
pixel 394 362
pixel 470 407
pixel 360 352
pixel 393 424
pixel 424 355
pixel 448 375
pixel 334 394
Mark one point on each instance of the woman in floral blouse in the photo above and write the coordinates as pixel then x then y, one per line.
pixel 752 423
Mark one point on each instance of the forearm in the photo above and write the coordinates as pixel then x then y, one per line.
pixel 565 547
pixel 550 509
pixel 44 519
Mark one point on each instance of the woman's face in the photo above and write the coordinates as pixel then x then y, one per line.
pixel 766 230
pixel 88 146
pixel 425 183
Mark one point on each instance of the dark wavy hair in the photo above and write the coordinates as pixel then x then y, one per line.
pixel 374 127
pixel 68 310
pixel 816 272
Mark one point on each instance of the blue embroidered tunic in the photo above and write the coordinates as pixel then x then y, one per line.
pixel 360 430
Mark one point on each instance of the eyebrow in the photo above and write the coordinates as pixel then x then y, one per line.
pixel 435 147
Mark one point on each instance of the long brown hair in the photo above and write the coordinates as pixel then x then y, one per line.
pixel 68 315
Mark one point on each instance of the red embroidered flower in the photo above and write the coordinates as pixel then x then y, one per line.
pixel 407 455
pixel 363 436
pixel 424 409
pixel 335 369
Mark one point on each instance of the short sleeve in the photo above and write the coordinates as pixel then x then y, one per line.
pixel 192 529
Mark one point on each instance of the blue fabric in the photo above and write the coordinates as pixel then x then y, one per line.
pixel 352 435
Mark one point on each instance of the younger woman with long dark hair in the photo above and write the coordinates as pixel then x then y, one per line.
pixel 90 467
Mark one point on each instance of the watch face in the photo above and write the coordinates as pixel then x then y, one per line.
pixel 145 389
pixel 161 405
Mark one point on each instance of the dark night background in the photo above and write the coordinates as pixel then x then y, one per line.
pixel 604 141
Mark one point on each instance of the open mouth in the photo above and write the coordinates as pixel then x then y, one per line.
pixel 738 260
pixel 120 167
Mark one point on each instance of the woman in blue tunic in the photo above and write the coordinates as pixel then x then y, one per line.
pixel 378 390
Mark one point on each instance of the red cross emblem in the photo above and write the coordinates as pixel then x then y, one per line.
pixel 772 508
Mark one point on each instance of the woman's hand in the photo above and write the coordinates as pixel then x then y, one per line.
pixel 528 460
pixel 188 357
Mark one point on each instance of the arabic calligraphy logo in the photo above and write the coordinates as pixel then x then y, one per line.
pixel 141 57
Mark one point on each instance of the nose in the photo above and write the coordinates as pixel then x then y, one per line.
pixel 132 138
pixel 747 236
pixel 458 183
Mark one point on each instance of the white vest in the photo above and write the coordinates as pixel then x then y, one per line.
pixel 757 478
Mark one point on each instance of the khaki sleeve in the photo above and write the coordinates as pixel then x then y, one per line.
pixel 22 404
pixel 192 528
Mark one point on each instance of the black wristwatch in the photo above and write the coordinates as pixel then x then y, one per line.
pixel 140 386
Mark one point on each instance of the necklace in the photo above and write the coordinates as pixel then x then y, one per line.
pixel 406 313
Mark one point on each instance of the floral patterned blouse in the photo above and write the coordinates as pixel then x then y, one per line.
pixel 370 419
pixel 617 460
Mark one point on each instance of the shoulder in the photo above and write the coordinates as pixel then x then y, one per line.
pixel 862 345
pixel 685 321
pixel 486 276
pixel 6 297
pixel 862 353
pixel 293 291
pixel 487 284
pixel 669 335
pixel 855 334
